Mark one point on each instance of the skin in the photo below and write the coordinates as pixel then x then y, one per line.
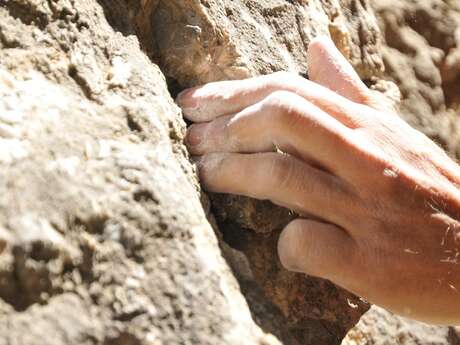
pixel 379 201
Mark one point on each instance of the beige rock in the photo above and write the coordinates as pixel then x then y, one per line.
pixel 103 238
pixel 421 54
pixel 379 327
pixel 220 39
pixel 5 239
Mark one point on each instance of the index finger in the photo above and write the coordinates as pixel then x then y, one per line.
pixel 205 103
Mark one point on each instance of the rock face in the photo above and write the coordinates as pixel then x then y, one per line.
pixel 103 238
pixel 421 53
pixel 202 41
pixel 379 327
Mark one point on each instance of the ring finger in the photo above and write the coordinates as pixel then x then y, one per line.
pixel 281 178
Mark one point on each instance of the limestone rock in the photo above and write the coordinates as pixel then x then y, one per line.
pixel 5 239
pixel 103 239
pixel 201 41
pixel 379 327
pixel 421 55
pixel 65 320
pixel 312 309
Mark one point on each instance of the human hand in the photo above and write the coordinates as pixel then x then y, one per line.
pixel 379 201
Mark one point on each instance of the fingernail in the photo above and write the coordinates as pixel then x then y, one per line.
pixel 195 134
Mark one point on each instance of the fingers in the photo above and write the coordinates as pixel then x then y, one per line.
pixel 283 120
pixel 318 249
pixel 205 103
pixel 280 178
pixel 213 100
pixel 328 67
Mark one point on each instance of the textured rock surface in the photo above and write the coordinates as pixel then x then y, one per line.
pixel 422 55
pixel 313 310
pixel 202 41
pixel 103 238
pixel 379 327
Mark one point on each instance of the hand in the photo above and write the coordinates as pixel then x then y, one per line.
pixel 380 201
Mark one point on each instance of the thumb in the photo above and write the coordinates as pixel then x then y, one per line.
pixel 328 67
pixel 317 249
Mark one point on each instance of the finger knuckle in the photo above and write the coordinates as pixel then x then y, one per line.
pixel 210 165
pixel 301 246
pixel 282 170
pixel 281 107
pixel 276 99
pixel 218 91
pixel 284 76
pixel 304 230
pixel 289 245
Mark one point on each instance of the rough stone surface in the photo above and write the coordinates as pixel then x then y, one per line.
pixel 379 327
pixel 201 41
pixel 314 310
pixel 421 53
pixel 64 320
pixel 103 239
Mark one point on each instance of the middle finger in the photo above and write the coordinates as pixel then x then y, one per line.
pixel 283 121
